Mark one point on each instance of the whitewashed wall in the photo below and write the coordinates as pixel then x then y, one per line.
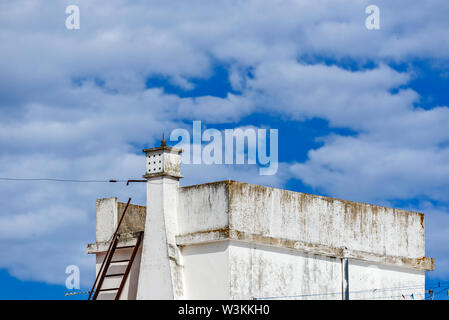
pixel 206 271
pixel 391 283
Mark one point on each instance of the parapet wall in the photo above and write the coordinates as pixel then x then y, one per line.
pixel 203 207
pixel 326 221
pixel 108 213
pixel 309 223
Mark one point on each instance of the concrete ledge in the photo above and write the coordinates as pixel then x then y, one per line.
pixel 202 237
pixel 207 236
pixel 126 239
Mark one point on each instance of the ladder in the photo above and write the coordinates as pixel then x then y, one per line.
pixel 107 262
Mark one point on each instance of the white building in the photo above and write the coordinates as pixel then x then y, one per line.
pixel 233 240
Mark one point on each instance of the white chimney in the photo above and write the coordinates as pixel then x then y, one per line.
pixel 160 270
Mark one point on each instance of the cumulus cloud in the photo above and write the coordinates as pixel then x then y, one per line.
pixel 343 97
pixel 361 169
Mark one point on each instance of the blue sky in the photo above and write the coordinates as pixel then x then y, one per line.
pixel 362 114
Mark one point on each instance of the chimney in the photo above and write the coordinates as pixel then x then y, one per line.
pixel 160 270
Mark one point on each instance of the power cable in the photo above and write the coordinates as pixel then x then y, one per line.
pixel 61 180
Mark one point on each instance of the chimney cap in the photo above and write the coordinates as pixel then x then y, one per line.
pixel 162 161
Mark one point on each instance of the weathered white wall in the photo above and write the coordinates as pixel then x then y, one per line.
pixel 206 271
pixel 106 218
pixel 239 270
pixel 203 207
pixel 291 244
pixel 326 221
pixel 301 217
pixel 392 283
pixel 260 272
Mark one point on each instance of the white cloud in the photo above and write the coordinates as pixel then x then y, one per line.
pixel 216 110
pixel 371 171
pixel 343 97
pixel 43 220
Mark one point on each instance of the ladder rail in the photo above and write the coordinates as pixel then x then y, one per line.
pixel 103 274
pixel 108 253
pixel 128 267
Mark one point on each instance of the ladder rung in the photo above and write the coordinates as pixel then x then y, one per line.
pixel 117 261
pixel 126 247
pixel 114 274
pixel 112 289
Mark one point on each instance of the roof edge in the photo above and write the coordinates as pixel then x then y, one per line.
pixel 208 236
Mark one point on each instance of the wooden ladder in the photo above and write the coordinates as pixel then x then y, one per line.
pixel 107 261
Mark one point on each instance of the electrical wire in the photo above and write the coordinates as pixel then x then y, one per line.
pixel 60 180
pixel 374 290
pixel 82 181
pixel 399 296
